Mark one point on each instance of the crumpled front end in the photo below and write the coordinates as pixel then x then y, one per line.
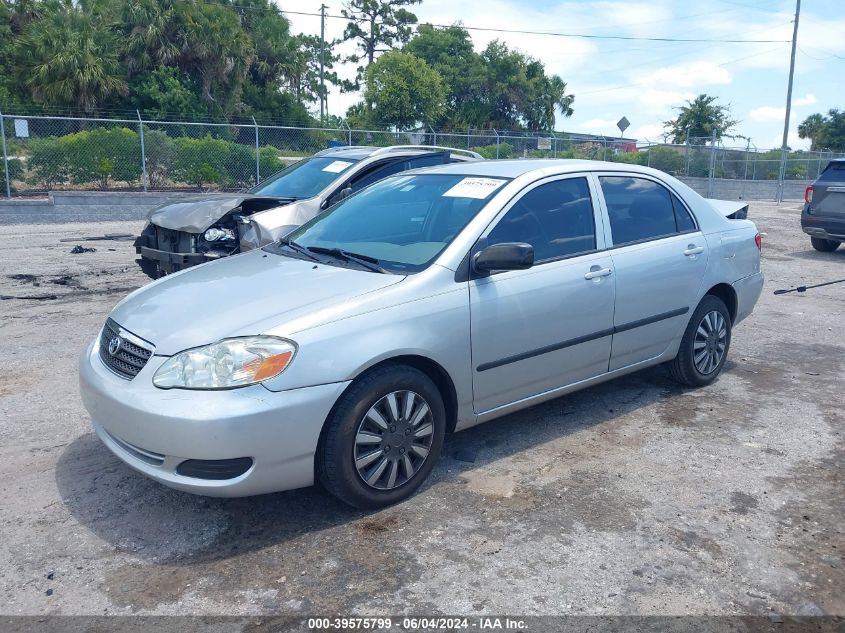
pixel 188 233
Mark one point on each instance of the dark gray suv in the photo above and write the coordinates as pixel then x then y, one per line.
pixel 823 218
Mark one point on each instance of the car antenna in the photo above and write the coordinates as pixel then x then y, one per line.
pixel 806 288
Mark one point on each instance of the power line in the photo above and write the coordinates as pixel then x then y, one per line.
pixel 829 54
pixel 573 35
pixel 514 31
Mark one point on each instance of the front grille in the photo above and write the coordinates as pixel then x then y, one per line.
pixel 174 241
pixel 129 358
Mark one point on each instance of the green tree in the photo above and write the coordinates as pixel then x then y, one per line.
pixel 376 26
pixel 700 118
pixel 166 93
pixel 153 34
pixel 218 51
pixel 404 91
pixel 547 95
pixel 825 132
pixel 70 57
pixel 507 87
pixel 450 52
pixel 303 76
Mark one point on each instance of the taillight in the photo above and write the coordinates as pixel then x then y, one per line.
pixel 808 194
pixel 758 240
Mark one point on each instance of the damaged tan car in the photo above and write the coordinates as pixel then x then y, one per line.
pixel 189 232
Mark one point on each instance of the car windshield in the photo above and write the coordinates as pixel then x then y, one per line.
pixel 402 223
pixel 304 179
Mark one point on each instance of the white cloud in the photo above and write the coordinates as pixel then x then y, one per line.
pixel 767 114
pixel 597 125
pixel 808 99
pixel 648 132
pixel 696 73
pixel 664 98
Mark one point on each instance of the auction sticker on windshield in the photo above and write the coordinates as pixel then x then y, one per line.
pixel 478 188
pixel 337 166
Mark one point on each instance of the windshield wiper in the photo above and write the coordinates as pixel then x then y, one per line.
pixel 298 248
pixel 366 261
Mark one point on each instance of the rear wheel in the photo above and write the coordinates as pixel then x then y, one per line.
pixel 825 246
pixel 383 437
pixel 704 346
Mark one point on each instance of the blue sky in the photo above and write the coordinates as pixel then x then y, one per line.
pixel 645 80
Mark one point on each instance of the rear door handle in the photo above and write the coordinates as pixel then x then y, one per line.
pixel 596 272
pixel 692 249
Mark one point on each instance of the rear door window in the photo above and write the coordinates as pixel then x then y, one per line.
pixel 683 219
pixel 639 209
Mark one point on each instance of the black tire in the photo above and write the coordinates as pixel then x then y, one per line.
pixel 683 368
pixel 825 246
pixel 335 464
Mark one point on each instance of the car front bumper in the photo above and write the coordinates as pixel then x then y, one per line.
pixel 157 431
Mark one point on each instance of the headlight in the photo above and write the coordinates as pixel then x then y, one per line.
pixel 215 235
pixel 234 362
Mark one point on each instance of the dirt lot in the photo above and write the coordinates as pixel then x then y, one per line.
pixel 635 497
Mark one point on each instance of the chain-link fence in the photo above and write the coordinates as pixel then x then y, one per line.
pixel 45 153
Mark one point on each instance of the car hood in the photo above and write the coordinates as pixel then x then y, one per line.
pixel 238 296
pixel 195 215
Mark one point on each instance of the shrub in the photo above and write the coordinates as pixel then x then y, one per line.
pixel 489 151
pixel 239 165
pixel 102 155
pixel 269 161
pixel 15 170
pixel 665 159
pixel 48 163
pixel 207 160
pixel 160 154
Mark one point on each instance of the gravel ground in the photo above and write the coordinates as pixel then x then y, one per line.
pixel 634 497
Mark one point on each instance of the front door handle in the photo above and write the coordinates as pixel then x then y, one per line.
pixel 692 249
pixel 596 272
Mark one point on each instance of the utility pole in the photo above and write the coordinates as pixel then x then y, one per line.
pixel 783 149
pixel 323 61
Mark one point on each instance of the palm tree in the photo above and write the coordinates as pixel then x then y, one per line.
pixel 813 128
pixel 70 57
pixel 152 34
pixel 557 98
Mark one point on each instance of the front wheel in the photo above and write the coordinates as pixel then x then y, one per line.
pixel 383 437
pixel 704 346
pixel 825 246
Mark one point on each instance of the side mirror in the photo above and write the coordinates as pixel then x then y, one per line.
pixel 345 193
pixel 508 256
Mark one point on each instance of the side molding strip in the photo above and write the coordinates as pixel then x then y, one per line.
pixel 581 339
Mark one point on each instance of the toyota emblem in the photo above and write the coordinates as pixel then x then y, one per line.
pixel 114 345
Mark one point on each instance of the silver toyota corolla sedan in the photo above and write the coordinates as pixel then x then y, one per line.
pixel 427 303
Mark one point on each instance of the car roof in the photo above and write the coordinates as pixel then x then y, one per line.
pixel 359 152
pixel 519 167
